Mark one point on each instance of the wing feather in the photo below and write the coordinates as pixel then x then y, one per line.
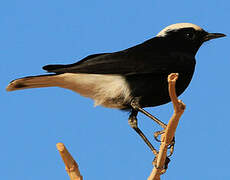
pixel 143 58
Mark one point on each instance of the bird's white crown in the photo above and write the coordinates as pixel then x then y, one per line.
pixel 177 26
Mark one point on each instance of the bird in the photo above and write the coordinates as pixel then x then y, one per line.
pixel 133 78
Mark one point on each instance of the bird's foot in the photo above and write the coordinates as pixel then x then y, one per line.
pixel 165 167
pixel 157 134
pixel 171 145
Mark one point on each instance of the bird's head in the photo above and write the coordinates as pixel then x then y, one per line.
pixel 187 36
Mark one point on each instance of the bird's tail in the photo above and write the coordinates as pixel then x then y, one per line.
pixel 33 82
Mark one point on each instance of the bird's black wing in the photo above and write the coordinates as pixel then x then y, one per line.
pixel 144 58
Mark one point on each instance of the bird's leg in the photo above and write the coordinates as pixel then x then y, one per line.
pixel 135 105
pixel 133 123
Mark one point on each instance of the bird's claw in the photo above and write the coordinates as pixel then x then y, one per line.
pixel 157 134
pixel 165 167
pixel 171 145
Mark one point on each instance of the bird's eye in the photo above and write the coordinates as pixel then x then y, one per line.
pixel 190 35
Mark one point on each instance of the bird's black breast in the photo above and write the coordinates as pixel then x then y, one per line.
pixel 152 88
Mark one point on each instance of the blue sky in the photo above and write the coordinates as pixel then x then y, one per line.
pixel 36 33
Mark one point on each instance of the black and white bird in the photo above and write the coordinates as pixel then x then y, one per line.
pixel 133 78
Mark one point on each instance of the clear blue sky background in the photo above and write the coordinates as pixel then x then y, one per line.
pixel 36 33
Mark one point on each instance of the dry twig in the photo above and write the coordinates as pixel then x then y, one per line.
pixel 167 136
pixel 70 164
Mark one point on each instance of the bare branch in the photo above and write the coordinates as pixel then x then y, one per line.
pixel 167 137
pixel 70 164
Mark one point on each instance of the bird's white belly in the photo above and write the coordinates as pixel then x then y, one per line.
pixel 106 90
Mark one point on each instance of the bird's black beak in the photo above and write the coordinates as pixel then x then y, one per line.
pixel 210 36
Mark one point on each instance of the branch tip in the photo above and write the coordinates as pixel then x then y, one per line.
pixel 70 164
pixel 60 147
pixel 172 78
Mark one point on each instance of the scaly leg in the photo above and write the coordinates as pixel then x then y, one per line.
pixel 135 105
pixel 133 123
